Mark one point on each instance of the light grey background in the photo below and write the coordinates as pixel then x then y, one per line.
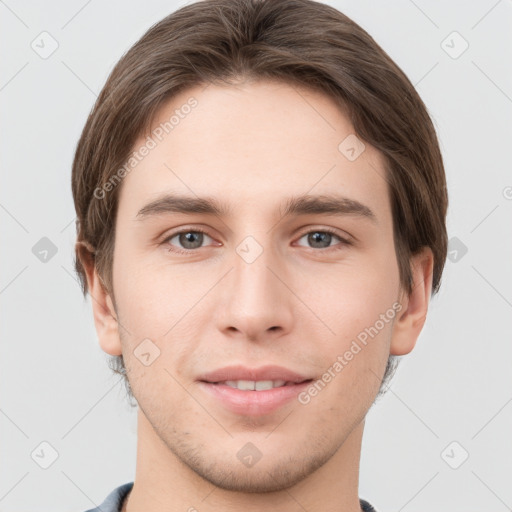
pixel 456 384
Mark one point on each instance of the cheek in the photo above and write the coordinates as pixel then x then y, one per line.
pixel 354 308
pixel 151 297
pixel 350 296
pixel 162 313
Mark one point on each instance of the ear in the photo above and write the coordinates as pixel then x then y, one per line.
pixel 105 316
pixel 411 318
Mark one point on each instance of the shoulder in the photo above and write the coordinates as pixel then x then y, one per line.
pixel 113 501
pixel 366 507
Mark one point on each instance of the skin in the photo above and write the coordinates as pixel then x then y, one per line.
pixel 298 305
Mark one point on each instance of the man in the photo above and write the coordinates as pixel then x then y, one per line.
pixel 261 206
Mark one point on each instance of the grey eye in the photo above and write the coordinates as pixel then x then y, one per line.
pixel 319 239
pixel 190 239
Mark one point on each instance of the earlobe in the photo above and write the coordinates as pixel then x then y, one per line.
pixel 104 313
pixel 410 320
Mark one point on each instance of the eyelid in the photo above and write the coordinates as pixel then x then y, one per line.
pixel 345 238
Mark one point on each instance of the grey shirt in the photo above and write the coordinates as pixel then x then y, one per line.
pixel 114 501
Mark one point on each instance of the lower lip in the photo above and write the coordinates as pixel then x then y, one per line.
pixel 253 403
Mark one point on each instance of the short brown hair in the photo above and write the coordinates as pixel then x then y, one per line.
pixel 300 42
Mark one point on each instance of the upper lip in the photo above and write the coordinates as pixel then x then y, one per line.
pixel 269 372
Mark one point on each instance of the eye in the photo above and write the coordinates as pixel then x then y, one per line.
pixel 322 238
pixel 189 239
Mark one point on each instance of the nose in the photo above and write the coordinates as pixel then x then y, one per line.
pixel 256 303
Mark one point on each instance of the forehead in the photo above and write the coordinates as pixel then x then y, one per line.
pixel 250 145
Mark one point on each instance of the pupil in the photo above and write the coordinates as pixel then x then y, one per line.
pixel 319 237
pixel 192 237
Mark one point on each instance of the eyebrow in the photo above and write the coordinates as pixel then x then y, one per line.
pixel 326 204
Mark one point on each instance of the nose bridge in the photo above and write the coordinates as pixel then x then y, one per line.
pixel 257 301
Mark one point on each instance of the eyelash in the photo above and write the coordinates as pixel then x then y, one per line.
pixel 343 241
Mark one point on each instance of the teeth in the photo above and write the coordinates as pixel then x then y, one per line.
pixel 259 385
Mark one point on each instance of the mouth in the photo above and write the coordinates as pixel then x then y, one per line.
pixel 242 375
pixel 253 391
pixel 253 398
pixel 260 385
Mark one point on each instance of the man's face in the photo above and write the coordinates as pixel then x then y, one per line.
pixel 259 288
